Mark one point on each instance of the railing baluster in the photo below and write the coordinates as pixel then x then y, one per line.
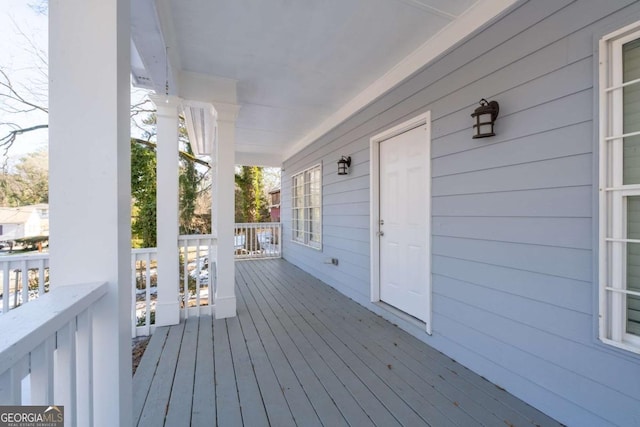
pixel 25 282
pixel 185 279
pixel 42 373
pixel 5 288
pixel 15 289
pixel 210 275
pixel 200 267
pixel 65 371
pixel 41 277
pixel 147 293
pixel 84 368
pixel 134 296
pixel 11 387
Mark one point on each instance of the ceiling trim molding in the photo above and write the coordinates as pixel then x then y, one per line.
pixel 474 18
pixel 430 9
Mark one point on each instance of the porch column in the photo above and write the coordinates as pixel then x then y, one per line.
pixel 167 306
pixel 224 214
pixel 89 183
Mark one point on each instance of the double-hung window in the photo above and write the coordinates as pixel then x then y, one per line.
pixel 619 297
pixel 306 206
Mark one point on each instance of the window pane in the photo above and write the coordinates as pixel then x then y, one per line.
pixel 631 162
pixel 633 268
pixel 631 65
pixel 633 315
pixel 306 207
pixel 631 94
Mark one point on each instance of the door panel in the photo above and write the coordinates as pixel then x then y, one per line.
pixel 404 217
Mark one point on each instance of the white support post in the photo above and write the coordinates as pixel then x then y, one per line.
pixel 225 298
pixel 90 199
pixel 167 306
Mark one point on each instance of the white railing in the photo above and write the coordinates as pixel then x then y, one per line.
pixel 258 240
pixel 198 256
pixel 144 290
pixel 46 352
pixel 23 278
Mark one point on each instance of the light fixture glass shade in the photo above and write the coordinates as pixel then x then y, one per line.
pixel 484 118
pixel 343 165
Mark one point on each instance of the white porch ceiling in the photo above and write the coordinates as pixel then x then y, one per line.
pixel 297 68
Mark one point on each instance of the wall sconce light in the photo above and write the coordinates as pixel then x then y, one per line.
pixel 343 165
pixel 484 117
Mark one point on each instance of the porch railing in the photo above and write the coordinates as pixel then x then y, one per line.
pixel 23 278
pixel 46 351
pixel 258 240
pixel 144 290
pixel 198 255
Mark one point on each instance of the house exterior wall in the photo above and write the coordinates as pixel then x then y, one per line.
pixel 514 217
pixel 11 231
pixel 31 227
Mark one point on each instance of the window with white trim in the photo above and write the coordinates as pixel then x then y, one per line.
pixel 620 188
pixel 306 207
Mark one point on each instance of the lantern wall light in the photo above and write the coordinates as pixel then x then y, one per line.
pixel 343 165
pixel 484 118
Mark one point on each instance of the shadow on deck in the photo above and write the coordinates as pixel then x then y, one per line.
pixel 300 353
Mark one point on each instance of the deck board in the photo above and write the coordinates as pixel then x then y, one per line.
pixel 157 402
pixel 300 353
pixel 251 405
pixel 409 349
pixel 381 350
pixel 180 402
pixel 227 402
pixel 146 370
pixel 203 409
pixel 348 406
pixel 275 404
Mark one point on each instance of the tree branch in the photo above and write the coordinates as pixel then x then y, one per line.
pixel 188 157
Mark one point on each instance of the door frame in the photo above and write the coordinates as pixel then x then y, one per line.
pixel 423 119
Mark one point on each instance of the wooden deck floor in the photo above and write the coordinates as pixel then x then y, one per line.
pixel 300 353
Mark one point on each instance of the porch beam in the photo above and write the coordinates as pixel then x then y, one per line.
pixel 167 305
pixel 90 195
pixel 224 212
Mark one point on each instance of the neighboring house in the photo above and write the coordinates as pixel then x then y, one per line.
pixel 274 205
pixel 16 223
pixel 514 254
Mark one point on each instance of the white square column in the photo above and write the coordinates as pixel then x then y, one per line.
pixel 167 305
pixel 224 212
pixel 89 183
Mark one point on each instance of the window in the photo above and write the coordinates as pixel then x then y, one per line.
pixel 306 207
pixel 620 188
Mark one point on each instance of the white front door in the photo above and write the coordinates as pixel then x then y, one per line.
pixel 404 222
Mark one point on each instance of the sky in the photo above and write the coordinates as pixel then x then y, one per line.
pixel 17 59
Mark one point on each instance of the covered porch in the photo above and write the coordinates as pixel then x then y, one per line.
pixel 301 353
